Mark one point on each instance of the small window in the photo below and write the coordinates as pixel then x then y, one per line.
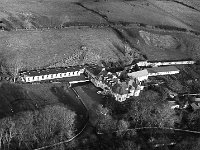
pixel 65 74
pixel 42 77
pixel 52 76
pixel 60 75
pixel 28 79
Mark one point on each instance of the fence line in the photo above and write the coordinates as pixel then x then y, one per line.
pixel 115 24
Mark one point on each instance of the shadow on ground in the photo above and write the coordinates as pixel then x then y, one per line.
pixel 15 99
pixel 68 97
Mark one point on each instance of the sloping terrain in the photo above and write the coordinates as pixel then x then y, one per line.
pixel 33 14
pixel 34 49
pixel 157 45
pixel 189 16
pixel 195 4
pixel 135 11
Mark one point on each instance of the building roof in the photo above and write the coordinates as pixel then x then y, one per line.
pixel 76 78
pixel 162 69
pixel 121 88
pixel 132 83
pixel 52 71
pixel 94 69
pixel 137 74
pixel 103 72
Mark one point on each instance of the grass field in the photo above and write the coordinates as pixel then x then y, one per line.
pixel 135 11
pixel 187 46
pixel 35 49
pixel 192 3
pixel 38 13
pixel 186 14
pixel 41 13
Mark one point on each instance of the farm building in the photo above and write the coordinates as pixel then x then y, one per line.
pixel 140 75
pixel 164 63
pixel 144 74
pixel 92 71
pixel 51 73
pixel 110 83
pixel 155 71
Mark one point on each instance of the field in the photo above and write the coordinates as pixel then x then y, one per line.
pixel 33 39
pixel 187 15
pixel 33 14
pixel 192 3
pixel 42 14
pixel 23 50
pixel 29 97
pixel 34 49
pixel 186 46
pixel 136 11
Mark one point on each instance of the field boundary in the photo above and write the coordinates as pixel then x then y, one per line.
pixel 161 28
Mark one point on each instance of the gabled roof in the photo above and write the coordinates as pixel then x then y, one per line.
pixel 123 88
pixel 162 69
pixel 132 83
pixel 94 69
pixel 103 72
pixel 120 88
pixel 52 71
pixel 137 74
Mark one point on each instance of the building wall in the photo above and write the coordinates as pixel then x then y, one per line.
pixel 163 73
pixel 142 78
pixel 52 76
pixel 146 63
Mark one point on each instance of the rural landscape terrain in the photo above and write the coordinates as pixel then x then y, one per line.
pixel 57 115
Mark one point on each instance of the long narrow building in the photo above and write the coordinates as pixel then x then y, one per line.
pixel 51 73
pixel 164 63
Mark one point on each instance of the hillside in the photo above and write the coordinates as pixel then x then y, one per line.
pixel 23 50
pixel 34 14
pixel 195 4
pixel 137 11
pixel 181 12
pixel 37 34
pixel 158 45
pixel 39 48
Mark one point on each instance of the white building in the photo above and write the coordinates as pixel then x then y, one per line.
pixel 164 63
pixel 162 70
pixel 140 75
pixel 53 73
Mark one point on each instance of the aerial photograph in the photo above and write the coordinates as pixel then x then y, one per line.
pixel 99 74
